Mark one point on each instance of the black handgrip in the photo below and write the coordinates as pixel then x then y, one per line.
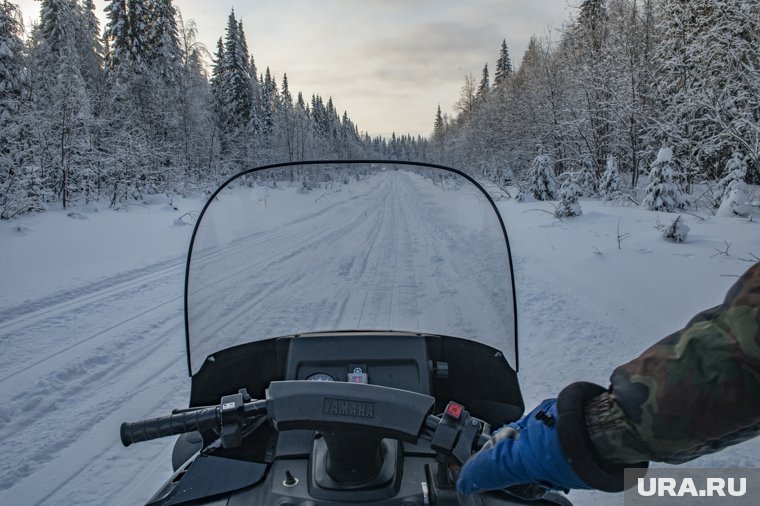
pixel 171 425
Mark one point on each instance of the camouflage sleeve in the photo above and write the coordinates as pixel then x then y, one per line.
pixel 695 392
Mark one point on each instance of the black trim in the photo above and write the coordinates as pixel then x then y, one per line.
pixel 576 442
pixel 346 162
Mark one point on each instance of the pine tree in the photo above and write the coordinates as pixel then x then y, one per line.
pixel 568 198
pixel 484 87
pixel 610 186
pixel 439 126
pixel 166 54
pixel 663 193
pixel 90 48
pixel 115 35
pixel 542 184
pixel 11 63
pixel 593 21
pixel 285 121
pixel 237 78
pixel 138 34
pixel 14 197
pixel 503 66
pixel 57 21
pixel 269 103
pixel 733 201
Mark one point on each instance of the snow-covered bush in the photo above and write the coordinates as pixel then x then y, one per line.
pixel 733 198
pixel 676 231
pixel 568 195
pixel 663 193
pixel 541 181
pixel 609 188
pixel 587 180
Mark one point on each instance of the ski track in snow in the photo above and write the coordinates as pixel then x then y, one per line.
pixel 80 361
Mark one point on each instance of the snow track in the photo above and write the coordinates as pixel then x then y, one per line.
pixel 82 361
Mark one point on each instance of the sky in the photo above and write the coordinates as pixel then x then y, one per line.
pixel 389 63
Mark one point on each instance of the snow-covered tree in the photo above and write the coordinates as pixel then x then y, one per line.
pixel 587 180
pixel 541 180
pixel 609 188
pixel 733 201
pixel 164 44
pixel 467 96
pixel 90 47
pixel 663 192
pixel 568 197
pixel 484 87
pixel 116 35
pixel 138 33
pixel 14 197
pixel 196 103
pixel 677 231
pixel 64 120
pixel 238 89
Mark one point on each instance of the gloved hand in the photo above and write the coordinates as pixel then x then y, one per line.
pixel 524 452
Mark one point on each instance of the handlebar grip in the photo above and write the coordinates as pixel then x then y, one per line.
pixel 171 425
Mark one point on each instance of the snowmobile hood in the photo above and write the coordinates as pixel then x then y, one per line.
pixel 346 245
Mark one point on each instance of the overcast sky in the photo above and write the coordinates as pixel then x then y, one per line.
pixel 389 63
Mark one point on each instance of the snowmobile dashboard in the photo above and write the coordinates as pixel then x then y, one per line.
pixel 446 368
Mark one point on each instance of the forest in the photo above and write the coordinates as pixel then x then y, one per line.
pixel 664 89
pixel 625 93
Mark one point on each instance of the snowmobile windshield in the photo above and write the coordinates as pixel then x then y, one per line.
pixel 292 249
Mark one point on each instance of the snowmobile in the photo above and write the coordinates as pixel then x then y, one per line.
pixel 351 338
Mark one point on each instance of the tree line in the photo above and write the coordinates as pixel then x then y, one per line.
pixel 131 110
pixel 620 82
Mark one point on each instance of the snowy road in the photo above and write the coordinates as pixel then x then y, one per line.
pixel 81 355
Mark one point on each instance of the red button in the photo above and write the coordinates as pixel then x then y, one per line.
pixel 454 410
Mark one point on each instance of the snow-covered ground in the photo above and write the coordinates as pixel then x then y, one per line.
pixel 91 328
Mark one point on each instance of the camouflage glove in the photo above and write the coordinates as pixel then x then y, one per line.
pixel 525 452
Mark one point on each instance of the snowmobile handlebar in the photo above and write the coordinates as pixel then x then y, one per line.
pixel 375 411
pixel 189 421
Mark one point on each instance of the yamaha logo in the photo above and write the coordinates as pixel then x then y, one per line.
pixel 342 407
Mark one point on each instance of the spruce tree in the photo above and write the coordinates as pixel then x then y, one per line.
pixel 138 34
pixel 268 102
pixel 90 48
pixel 237 78
pixel 733 198
pixel 166 54
pixel 568 198
pixel 484 87
pixel 663 193
pixel 14 197
pixel 115 35
pixel 541 180
pixel 609 189
pixel 503 66
pixel 438 125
